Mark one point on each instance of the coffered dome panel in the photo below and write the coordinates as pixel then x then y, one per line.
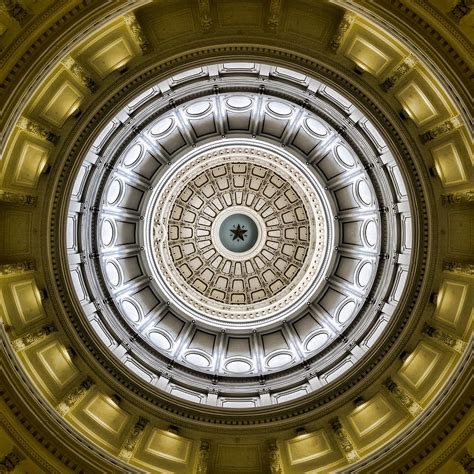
pixel 284 254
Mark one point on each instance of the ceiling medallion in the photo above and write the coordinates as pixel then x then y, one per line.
pixel 237 232
pixel 196 253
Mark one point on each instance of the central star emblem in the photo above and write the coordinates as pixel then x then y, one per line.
pixel 238 232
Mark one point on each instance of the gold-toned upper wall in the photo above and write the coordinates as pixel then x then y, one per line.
pixel 39 113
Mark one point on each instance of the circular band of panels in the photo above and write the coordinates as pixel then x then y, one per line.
pixel 281 272
pixel 365 235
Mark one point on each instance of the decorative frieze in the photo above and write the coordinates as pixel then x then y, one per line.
pixel 462 8
pixel 466 461
pixel 80 73
pixel 463 268
pixel 446 127
pixel 205 18
pixel 344 440
pixel 9 462
pixel 18 198
pixel 400 71
pixel 132 439
pixel 15 10
pixel 445 338
pixel 203 457
pixel 32 337
pixel 275 458
pixel 37 130
pixel 274 15
pixel 346 22
pixel 73 397
pixel 17 268
pixel 137 32
pixel 464 197
pixel 403 397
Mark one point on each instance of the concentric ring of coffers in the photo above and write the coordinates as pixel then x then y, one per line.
pixel 366 201
pixel 239 176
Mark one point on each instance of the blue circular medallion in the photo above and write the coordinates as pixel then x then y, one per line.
pixel 238 233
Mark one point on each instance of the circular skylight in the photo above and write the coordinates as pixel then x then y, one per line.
pixel 237 231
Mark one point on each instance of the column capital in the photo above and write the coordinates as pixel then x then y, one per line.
pixel 274 14
pixel 17 268
pixel 400 71
pixel 15 11
pixel 203 457
pixel 137 32
pixel 462 8
pixel 33 337
pixel 74 396
pixel 403 398
pixel 342 30
pixel 132 439
pixel 463 197
pixel 344 440
pixel 465 268
pixel 205 17
pixel 11 460
pixel 447 126
pixel 36 129
pixel 445 338
pixel 275 458
pixel 80 73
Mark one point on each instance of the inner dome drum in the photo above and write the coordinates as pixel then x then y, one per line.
pixel 281 209
pixel 168 184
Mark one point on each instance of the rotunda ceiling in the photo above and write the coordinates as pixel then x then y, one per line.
pixel 246 232
pixel 233 235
